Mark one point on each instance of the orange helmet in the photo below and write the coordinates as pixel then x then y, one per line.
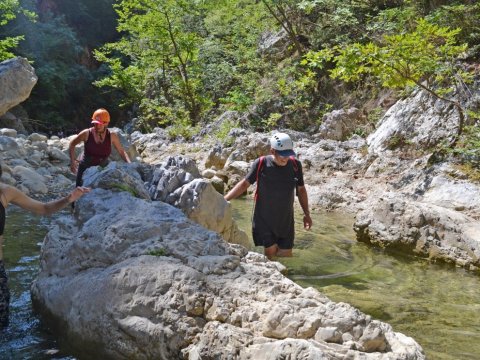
pixel 101 116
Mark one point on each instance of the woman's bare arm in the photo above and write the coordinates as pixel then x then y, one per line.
pixel 119 148
pixel 80 137
pixel 15 196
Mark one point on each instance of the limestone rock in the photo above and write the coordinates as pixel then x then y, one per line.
pixel 217 157
pixel 138 280
pixel 34 182
pixel 338 124
pixel 127 146
pixel 10 121
pixel 422 228
pixel 420 120
pixel 171 175
pixel 116 176
pixel 17 79
pixel 34 137
pixel 203 204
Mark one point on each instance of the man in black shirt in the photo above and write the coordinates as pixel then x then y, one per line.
pixel 278 176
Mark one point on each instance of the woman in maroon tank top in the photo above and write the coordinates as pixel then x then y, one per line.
pixel 98 145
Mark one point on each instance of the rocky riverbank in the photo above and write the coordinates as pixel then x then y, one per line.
pixel 135 271
pixel 402 195
pixel 136 279
pixel 401 198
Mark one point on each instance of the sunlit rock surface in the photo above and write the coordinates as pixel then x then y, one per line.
pixel 17 79
pixel 137 279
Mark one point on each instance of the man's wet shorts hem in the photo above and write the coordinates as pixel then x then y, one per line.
pixel 267 239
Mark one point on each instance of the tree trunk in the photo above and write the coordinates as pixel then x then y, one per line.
pixel 461 122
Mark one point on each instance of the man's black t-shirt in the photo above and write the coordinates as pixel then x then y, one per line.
pixel 275 195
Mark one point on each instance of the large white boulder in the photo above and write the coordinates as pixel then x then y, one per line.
pixel 420 120
pixel 136 279
pixel 17 79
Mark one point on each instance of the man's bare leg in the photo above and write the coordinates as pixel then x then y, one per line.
pixel 284 253
pixel 271 251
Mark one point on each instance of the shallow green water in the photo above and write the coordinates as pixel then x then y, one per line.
pixel 437 305
pixel 26 337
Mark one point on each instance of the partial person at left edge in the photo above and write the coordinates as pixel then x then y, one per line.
pixel 98 141
pixel 10 194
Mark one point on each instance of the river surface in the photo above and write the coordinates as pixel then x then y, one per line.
pixel 437 305
pixel 26 337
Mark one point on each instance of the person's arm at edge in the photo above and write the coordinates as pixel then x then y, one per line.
pixel 119 148
pixel 303 200
pixel 82 136
pixel 17 197
pixel 237 190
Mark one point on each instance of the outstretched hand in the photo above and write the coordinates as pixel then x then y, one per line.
pixel 78 193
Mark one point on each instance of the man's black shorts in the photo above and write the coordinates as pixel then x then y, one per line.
pixel 266 239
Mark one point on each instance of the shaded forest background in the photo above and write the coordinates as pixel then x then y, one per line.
pixel 180 64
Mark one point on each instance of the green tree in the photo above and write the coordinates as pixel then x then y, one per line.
pixel 156 61
pixel 231 65
pixel 9 9
pixel 58 44
pixel 93 20
pixel 464 15
pixel 54 49
pixel 426 57
pixel 289 16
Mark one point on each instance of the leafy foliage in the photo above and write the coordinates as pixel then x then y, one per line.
pixel 64 96
pixel 231 64
pixel 54 58
pixel 158 55
pixel 428 53
pixel 158 252
pixel 94 20
pixel 425 57
pixel 467 150
pixel 176 64
pixel 468 146
pixel 223 131
pixel 465 17
pixel 9 9
pixel 182 129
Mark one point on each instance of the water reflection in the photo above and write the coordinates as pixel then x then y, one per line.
pixel 436 304
pixel 25 338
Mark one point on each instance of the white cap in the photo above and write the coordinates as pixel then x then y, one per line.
pixel 282 144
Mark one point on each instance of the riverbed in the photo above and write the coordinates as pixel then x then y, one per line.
pixel 26 337
pixel 436 304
